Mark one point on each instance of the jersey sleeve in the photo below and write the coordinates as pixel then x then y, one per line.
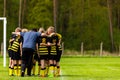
pixel 59 36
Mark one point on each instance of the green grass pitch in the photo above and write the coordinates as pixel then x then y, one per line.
pixel 77 68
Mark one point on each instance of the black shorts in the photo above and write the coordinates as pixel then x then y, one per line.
pixel 43 57
pixel 58 56
pixel 51 57
pixel 36 57
pixel 16 56
pixel 10 53
pixel 27 53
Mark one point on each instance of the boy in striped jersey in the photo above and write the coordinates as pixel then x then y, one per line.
pixel 16 50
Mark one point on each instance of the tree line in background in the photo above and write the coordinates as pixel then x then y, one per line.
pixel 87 21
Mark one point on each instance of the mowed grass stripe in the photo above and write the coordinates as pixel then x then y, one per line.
pixel 92 68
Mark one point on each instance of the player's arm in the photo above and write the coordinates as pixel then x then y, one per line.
pixel 21 43
pixel 37 49
pixel 43 44
pixel 21 48
pixel 11 40
pixel 17 33
pixel 60 38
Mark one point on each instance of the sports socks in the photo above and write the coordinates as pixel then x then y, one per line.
pixel 19 70
pixel 39 68
pixel 51 70
pixel 15 69
pixel 33 69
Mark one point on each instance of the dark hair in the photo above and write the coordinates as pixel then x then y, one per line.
pixel 34 29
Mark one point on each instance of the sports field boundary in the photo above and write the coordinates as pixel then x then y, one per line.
pixel 79 56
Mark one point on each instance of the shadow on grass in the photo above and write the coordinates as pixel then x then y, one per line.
pixel 3 71
pixel 72 75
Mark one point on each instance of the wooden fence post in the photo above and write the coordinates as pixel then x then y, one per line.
pixel 2 48
pixel 101 48
pixel 119 51
pixel 82 48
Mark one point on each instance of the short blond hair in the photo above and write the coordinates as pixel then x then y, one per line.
pixel 18 29
pixel 42 30
pixel 50 29
pixel 24 30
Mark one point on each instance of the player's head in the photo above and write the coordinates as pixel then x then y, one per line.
pixel 50 30
pixel 24 30
pixel 18 29
pixel 43 34
pixel 41 30
pixel 34 29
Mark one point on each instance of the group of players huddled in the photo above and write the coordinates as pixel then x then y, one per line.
pixel 27 47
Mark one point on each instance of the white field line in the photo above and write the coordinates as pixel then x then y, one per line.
pixel 111 68
pixel 62 77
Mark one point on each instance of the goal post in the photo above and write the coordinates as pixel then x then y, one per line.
pixel 4 39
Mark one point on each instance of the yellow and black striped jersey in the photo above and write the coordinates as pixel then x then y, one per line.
pixel 53 40
pixel 12 38
pixel 42 47
pixel 16 44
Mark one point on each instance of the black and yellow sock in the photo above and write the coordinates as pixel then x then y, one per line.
pixel 33 69
pixel 39 68
pixel 19 70
pixel 15 70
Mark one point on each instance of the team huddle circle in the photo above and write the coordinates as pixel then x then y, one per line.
pixel 28 47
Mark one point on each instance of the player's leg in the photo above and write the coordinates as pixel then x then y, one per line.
pixel 58 62
pixel 33 68
pixel 15 63
pixel 18 63
pixel 51 66
pixel 43 65
pixel 15 67
pixel 55 66
pixel 10 63
pixel 30 62
pixel 19 67
pixel 42 71
pixel 39 65
pixel 24 61
pixel 11 70
pixel 46 65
